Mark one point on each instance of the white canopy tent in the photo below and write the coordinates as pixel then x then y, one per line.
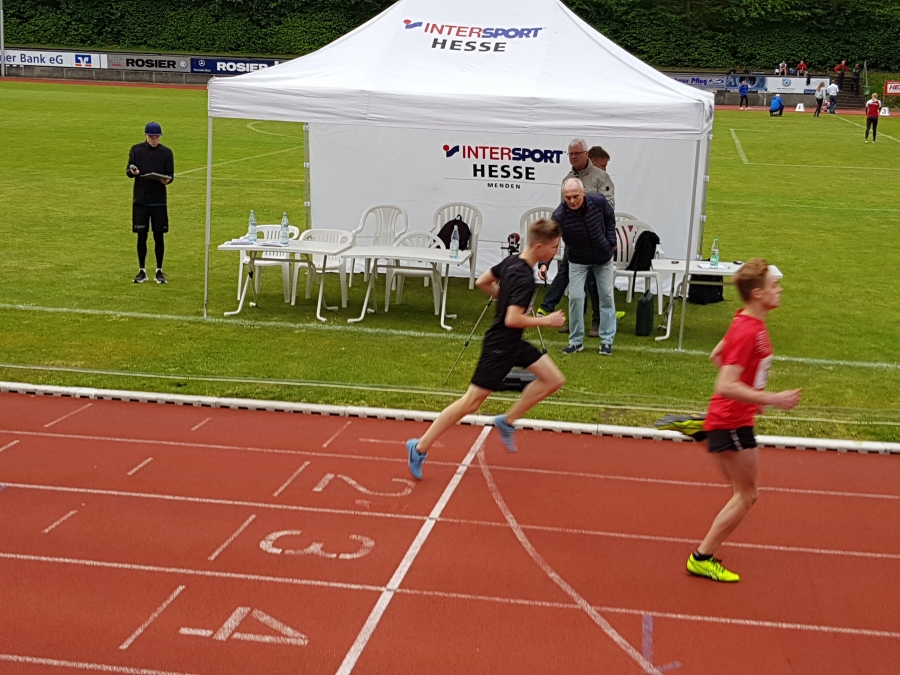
pixel 436 101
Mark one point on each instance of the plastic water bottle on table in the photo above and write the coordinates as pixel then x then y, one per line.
pixel 251 227
pixel 454 243
pixel 285 232
pixel 714 254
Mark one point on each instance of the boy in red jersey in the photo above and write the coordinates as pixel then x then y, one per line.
pixel 873 107
pixel 743 357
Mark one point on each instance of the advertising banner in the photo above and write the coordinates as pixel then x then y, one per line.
pixel 891 88
pixel 227 66
pixel 706 82
pixel 774 84
pixel 58 59
pixel 155 62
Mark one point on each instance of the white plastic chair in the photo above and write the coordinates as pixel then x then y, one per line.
pixel 400 271
pixel 313 263
pixel 269 233
pixel 386 223
pixel 472 217
pixel 621 215
pixel 627 233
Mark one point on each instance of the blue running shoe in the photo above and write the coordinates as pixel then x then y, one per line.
pixel 506 433
pixel 415 458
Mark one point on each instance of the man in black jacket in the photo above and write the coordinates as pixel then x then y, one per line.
pixel 588 224
pixel 152 166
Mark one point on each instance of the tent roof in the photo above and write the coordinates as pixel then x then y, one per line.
pixel 439 64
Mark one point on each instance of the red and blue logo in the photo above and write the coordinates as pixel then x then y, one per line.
pixel 499 154
pixel 456 31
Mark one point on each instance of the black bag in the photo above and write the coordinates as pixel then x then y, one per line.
pixel 644 252
pixel 705 295
pixel 645 309
pixel 465 234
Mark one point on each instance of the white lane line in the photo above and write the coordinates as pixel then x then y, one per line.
pixel 103 564
pixel 232 538
pixel 197 426
pixel 159 610
pixel 65 417
pixel 290 480
pixel 235 161
pixel 385 441
pixel 585 606
pixel 387 595
pixel 207 500
pixel 8 446
pixel 83 665
pixel 857 124
pixel 336 434
pixel 740 150
pixel 293 581
pixel 139 466
pixel 60 521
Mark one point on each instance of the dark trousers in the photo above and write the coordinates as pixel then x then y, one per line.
pixel 159 246
pixel 819 102
pixel 745 101
pixel 561 283
pixel 872 123
pixel 855 85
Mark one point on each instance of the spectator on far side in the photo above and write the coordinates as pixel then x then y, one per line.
pixel 743 90
pixel 802 68
pixel 832 91
pixel 856 72
pixel 776 108
pixel 820 99
pixel 841 69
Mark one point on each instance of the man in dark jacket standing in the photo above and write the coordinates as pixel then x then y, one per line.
pixel 152 166
pixel 588 224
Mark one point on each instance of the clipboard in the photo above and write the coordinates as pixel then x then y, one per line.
pixel 155 176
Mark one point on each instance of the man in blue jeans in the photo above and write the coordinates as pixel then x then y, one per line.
pixel 588 224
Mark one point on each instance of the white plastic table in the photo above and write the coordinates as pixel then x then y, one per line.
pixel 675 267
pixel 293 249
pixel 436 257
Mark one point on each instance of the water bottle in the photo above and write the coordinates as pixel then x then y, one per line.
pixel 454 243
pixel 285 232
pixel 251 227
pixel 714 255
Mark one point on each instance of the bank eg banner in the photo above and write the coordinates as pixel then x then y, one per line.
pixel 700 82
pixel 775 84
pixel 55 59
pixel 155 62
pixel 891 88
pixel 220 66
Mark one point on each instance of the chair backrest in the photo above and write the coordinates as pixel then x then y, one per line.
pixel 419 240
pixel 386 222
pixel 627 233
pixel 273 233
pixel 469 214
pixel 621 215
pixel 331 236
pixel 529 217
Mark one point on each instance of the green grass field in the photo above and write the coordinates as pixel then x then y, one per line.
pixel 811 197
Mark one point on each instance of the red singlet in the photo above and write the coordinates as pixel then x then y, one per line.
pixel 746 345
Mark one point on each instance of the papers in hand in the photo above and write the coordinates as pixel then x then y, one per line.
pixel 155 176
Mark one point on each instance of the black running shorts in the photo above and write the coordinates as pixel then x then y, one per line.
pixel 741 438
pixel 495 363
pixel 143 216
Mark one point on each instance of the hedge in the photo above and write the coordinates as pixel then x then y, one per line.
pixel 717 34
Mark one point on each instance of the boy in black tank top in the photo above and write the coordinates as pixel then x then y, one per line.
pixel 512 284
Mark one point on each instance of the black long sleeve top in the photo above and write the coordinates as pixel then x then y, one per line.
pixel 148 159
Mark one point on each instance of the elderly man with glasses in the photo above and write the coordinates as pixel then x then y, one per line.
pixel 595 181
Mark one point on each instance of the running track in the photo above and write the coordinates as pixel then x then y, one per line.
pixel 141 538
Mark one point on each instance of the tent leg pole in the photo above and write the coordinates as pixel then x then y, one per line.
pixel 307 202
pixel 688 256
pixel 209 156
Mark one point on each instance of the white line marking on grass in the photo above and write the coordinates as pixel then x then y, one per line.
pixel 159 610
pixel 232 537
pixel 336 434
pixel 82 665
pixel 197 426
pixel 64 417
pixel 60 521
pixel 8 446
pixel 207 500
pixel 140 466
pixel 857 124
pixel 235 161
pixel 740 150
pixel 290 480
pixel 103 564
pixel 822 166
pixel 250 125
pixel 799 205
pixel 583 604
pixel 387 595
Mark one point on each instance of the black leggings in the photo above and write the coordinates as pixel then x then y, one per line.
pixel 159 248
pixel 871 123
pixel 745 100
pixel 819 102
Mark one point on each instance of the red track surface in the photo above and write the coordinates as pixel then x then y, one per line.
pixel 173 564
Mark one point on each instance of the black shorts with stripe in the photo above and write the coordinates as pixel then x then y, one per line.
pixel 496 362
pixel 742 438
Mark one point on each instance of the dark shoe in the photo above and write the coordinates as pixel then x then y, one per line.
pixel 605 350
pixel 161 277
pixel 594 332
pixel 571 349
pixel 141 277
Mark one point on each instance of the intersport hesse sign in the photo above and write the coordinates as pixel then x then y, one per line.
pixel 497 164
pixel 456 38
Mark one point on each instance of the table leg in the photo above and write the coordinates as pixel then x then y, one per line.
pixel 253 272
pixel 444 300
pixel 322 285
pixel 247 280
pixel 670 312
pixel 365 307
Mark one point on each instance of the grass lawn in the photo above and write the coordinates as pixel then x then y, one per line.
pixel 811 198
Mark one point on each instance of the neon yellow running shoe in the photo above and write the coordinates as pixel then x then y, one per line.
pixel 711 568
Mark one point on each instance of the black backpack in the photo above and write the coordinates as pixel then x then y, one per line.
pixel 644 252
pixel 705 295
pixel 465 234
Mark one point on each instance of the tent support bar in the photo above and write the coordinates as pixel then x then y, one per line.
pixel 700 236
pixel 689 256
pixel 307 202
pixel 209 156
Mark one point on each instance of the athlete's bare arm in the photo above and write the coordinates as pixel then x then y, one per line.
pixel 517 318
pixel 729 385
